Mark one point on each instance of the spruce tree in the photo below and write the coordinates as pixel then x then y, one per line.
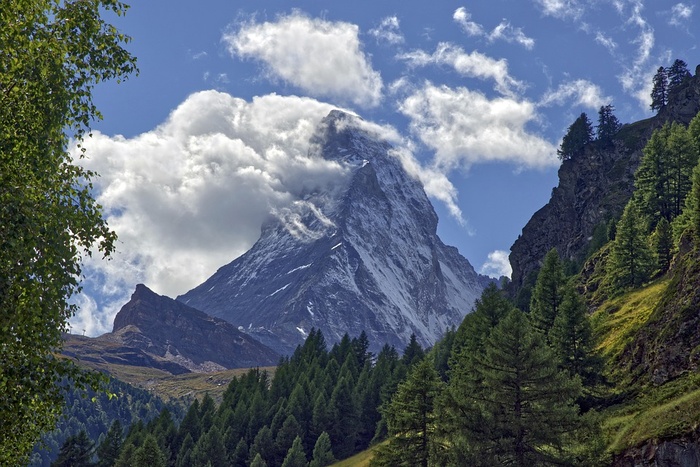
pixel 258 461
pixel 608 124
pixel 411 419
pixel 630 258
pixel 677 73
pixel 659 91
pixel 295 456
pixel 577 136
pixel 323 452
pixel 76 451
pixel 184 454
pixel 527 405
pixel 149 454
pixel 662 243
pixel 547 293
pixel 210 448
pixel 108 450
pixel 239 456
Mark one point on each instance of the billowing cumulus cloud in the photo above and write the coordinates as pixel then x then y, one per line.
pixel 579 93
pixel 192 194
pixel 504 31
pixel 388 31
pixel 323 58
pixel 464 127
pixel 497 265
pixel 472 65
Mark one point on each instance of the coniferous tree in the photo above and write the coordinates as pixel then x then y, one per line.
pixel 411 419
pixel 608 124
pixel 547 293
pixel 258 461
pixel 652 179
pixel 210 449
pixel 262 445
pixel 127 454
pixel 659 91
pixel 289 431
pixel 76 451
pixel 677 73
pixel 525 404
pixel 683 160
pixel 630 258
pixel 571 338
pixel 295 456
pixel 185 451
pixel 149 454
pixel 323 452
pixel 577 136
pixel 662 243
pixel 108 450
pixel 413 353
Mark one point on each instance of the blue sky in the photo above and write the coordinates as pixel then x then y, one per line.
pixel 211 138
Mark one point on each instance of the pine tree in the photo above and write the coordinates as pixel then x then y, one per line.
pixel 571 338
pixel 411 419
pixel 258 461
pixel 631 258
pixel 659 91
pixel 683 158
pixel 547 294
pixel 240 455
pixel 323 453
pixel 577 136
pixel 295 456
pixel 652 179
pixel 184 454
pixel 608 124
pixel 149 454
pixel 285 437
pixel 210 448
pixel 662 243
pixel 526 404
pixel 413 353
pixel 677 73
pixel 76 452
pixel 108 450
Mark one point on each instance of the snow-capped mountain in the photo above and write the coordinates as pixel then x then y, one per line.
pixel 362 254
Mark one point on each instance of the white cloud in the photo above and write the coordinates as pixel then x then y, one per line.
pixel 464 127
pixel 388 31
pixel 497 265
pixel 680 13
pixel 580 92
pixel 323 58
pixel 192 194
pixel 561 9
pixel 462 17
pixel 472 65
pixel 607 42
pixel 504 31
pixel 635 79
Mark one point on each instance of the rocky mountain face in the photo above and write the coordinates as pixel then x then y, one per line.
pixel 594 187
pixel 361 255
pixel 158 332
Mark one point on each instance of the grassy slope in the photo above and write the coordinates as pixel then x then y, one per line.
pixel 648 412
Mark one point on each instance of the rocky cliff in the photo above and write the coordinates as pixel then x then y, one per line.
pixel 594 187
pixel 361 255
pixel 158 332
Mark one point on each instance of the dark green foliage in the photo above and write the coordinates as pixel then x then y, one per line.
pixel 210 450
pixel 411 420
pixel 608 124
pixel 184 455
pixel 677 73
pixel 53 54
pixel 323 452
pixel 519 407
pixel 571 339
pixel 659 91
pixel 295 456
pixel 630 261
pixel 239 455
pixel 149 454
pixel 76 452
pixel 547 293
pixel 662 245
pixel 108 450
pixel 578 135
pixel 413 353
pixel 258 461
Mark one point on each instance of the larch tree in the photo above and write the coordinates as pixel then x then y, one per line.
pixel 52 54
pixel 608 124
pixel 631 258
pixel 547 293
pixel 677 73
pixel 577 136
pixel 659 90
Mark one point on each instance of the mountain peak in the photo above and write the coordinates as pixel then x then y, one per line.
pixel 363 255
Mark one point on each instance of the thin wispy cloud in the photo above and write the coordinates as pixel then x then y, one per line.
pixel 323 58
pixel 562 9
pixel 471 65
pixel 578 92
pixel 680 14
pixel 504 31
pixel 388 31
